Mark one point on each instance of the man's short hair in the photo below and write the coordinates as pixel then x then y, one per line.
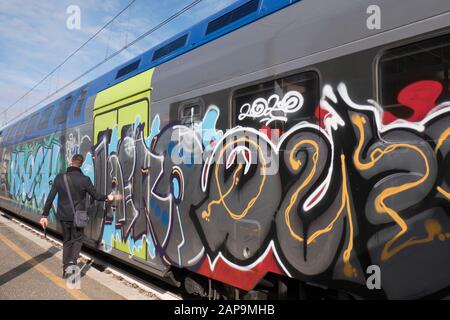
pixel 77 160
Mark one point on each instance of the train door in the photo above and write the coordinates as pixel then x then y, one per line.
pixel 121 123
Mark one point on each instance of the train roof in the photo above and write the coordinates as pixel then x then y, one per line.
pixel 231 18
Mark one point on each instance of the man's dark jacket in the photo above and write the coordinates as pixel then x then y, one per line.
pixel 79 185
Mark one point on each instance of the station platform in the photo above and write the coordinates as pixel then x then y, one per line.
pixel 31 269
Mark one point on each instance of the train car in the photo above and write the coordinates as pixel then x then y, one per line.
pixel 278 148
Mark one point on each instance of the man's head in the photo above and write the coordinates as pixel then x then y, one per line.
pixel 77 160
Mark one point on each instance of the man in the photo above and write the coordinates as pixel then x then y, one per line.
pixel 79 186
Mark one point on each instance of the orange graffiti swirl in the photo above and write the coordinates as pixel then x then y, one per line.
pixel 380 205
pixel 236 216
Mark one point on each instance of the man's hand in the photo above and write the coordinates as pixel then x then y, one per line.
pixel 44 222
pixel 113 196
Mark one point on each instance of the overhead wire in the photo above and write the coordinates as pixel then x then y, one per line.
pixel 114 54
pixel 70 56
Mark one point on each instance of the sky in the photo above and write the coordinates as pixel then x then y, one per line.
pixel 35 38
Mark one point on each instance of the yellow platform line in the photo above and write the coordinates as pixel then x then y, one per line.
pixel 77 294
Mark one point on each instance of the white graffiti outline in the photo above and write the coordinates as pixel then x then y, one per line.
pixel 121 203
pixel 195 259
pixel 249 267
pixel 182 236
pixel 266 109
pixel 323 187
pixel 165 199
pixel 169 198
pixel 377 110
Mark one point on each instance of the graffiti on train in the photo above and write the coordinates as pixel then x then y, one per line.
pixel 31 170
pixel 128 167
pixel 311 202
pixel 353 187
pixel 272 109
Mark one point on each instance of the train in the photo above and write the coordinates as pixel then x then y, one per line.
pixel 277 149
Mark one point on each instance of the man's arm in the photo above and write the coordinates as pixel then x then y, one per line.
pixel 94 194
pixel 51 196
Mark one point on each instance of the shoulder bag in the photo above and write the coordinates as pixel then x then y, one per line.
pixel 80 217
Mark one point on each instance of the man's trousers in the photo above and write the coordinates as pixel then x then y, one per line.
pixel 72 243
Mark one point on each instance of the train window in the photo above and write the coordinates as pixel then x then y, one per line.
pixel 45 116
pixel 127 131
pixel 190 113
pixel 233 16
pixel 128 69
pixel 277 104
pixel 8 134
pixel 414 79
pixel 63 109
pixel 13 136
pixel 170 47
pixel 102 134
pixel 12 133
pixel 21 129
pixel 5 135
pixel 79 105
pixel 32 124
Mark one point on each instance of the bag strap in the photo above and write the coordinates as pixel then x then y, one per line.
pixel 69 180
pixel 68 192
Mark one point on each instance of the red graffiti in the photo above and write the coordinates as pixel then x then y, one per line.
pixel 321 114
pixel 245 280
pixel 272 134
pixel 266 130
pixel 420 97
